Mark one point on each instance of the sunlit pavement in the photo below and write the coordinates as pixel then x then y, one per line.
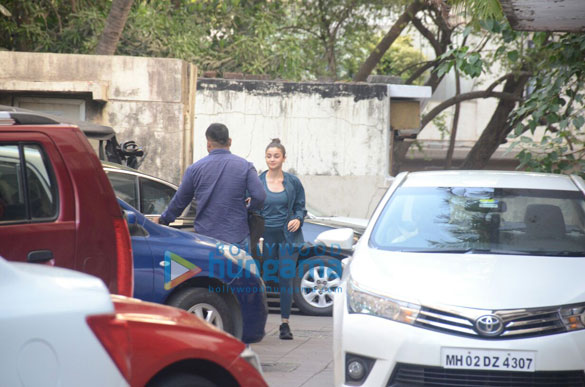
pixel 306 361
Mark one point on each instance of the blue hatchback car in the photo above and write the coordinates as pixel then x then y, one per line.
pixel 216 281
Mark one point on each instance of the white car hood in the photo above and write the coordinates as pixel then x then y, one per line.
pixel 470 280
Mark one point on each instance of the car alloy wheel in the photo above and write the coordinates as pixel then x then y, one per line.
pixel 208 313
pixel 207 305
pixel 315 288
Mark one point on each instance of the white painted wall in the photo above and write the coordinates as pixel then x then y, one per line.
pixel 336 135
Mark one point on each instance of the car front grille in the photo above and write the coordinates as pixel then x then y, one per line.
pixel 409 375
pixel 518 323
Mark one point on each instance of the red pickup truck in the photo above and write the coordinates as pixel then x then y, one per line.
pixel 56 203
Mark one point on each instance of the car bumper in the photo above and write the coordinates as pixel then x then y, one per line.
pixel 389 343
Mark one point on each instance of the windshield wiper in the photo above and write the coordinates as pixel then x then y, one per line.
pixel 563 253
pixel 469 251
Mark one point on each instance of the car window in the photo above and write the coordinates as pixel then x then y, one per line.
pixel 124 186
pixel 30 196
pixel 506 221
pixel 155 196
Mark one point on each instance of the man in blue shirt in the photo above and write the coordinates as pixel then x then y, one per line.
pixel 220 183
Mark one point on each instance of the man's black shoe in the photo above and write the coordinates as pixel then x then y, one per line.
pixel 285 333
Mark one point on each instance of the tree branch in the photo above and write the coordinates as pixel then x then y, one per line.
pixel 440 20
pixel 505 78
pixel 372 61
pixel 345 14
pixel 420 71
pixel 466 97
pixel 429 35
pixel 302 29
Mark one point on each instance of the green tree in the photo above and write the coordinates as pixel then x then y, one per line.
pixel 402 60
pixel 555 104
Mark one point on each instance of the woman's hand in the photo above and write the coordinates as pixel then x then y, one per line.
pixel 294 225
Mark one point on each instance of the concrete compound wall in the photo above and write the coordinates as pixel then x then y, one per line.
pixel 336 135
pixel 149 100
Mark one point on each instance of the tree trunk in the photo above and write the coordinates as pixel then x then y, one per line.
pixel 331 60
pixel 114 26
pixel 21 43
pixel 497 129
pixel 453 137
pixel 370 64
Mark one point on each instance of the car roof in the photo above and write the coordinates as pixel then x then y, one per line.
pixel 120 167
pixel 124 168
pixel 30 117
pixel 495 179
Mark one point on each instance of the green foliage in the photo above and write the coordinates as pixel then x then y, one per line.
pixel 339 29
pixel 440 122
pixel 468 63
pixel 479 12
pixel 554 110
pixel 52 26
pixel 401 59
pixel 291 40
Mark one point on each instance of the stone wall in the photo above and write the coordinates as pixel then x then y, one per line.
pixel 149 100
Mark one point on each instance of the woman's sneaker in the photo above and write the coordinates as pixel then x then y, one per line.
pixel 285 333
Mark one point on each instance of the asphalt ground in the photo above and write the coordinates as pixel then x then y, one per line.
pixel 305 361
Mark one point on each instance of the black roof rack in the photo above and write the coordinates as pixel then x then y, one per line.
pixel 30 117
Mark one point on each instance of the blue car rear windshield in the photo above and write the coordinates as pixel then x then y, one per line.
pixel 482 220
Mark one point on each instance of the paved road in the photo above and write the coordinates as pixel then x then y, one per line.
pixel 306 361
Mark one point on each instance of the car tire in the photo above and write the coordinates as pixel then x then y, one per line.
pixel 208 305
pixel 314 287
pixel 180 380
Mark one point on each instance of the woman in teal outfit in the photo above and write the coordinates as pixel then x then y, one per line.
pixel 283 212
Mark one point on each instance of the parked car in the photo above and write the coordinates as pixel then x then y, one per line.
pixel 148 194
pixel 319 264
pixel 317 222
pixel 62 327
pixel 467 278
pixel 56 204
pixel 216 281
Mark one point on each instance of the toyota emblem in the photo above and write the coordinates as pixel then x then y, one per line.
pixel 489 325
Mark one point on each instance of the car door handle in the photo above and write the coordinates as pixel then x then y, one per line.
pixel 39 256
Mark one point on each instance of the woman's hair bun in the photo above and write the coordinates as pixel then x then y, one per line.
pixel 275 143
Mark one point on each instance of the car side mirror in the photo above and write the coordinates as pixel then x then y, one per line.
pixel 130 218
pixel 345 262
pixel 341 237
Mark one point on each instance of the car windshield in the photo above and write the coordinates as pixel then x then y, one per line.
pixel 482 220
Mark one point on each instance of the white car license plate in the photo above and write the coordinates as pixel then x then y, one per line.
pixel 488 359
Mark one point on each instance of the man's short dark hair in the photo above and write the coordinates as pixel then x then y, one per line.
pixel 218 133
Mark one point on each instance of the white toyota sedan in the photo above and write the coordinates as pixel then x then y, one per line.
pixel 467 278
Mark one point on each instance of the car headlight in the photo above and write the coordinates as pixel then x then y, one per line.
pixel 240 257
pixel 573 317
pixel 365 302
pixel 252 358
